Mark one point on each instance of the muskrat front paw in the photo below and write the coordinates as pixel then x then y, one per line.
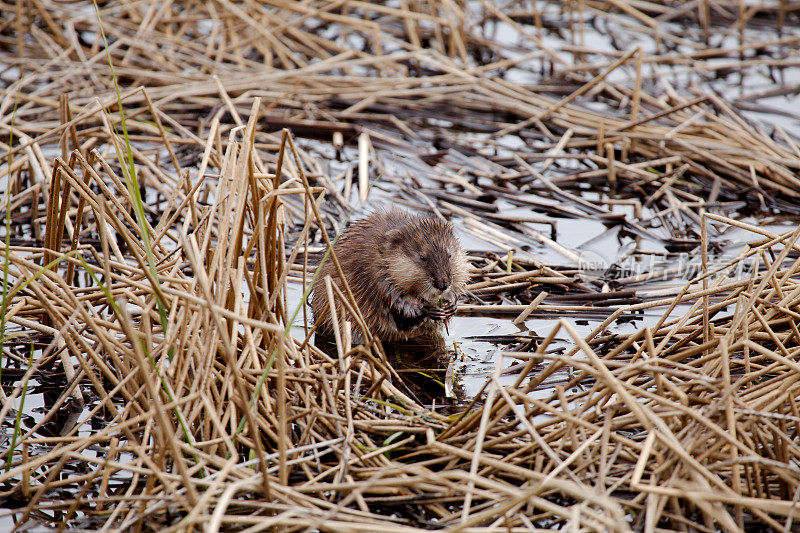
pixel 412 308
pixel 407 312
pixel 442 313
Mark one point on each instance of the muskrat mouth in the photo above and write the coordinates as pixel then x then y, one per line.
pixel 437 297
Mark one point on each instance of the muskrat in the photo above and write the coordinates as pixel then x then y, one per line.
pixel 405 272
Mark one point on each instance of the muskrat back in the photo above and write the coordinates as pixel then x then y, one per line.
pixel 405 271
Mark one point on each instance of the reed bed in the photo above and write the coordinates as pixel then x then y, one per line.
pixel 155 272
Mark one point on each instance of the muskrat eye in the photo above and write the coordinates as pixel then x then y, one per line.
pixel 422 257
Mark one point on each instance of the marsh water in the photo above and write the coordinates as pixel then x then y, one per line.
pixel 619 233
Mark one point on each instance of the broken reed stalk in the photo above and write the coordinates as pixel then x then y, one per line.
pixel 688 423
pixel 683 380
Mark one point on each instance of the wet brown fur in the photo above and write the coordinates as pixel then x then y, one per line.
pixel 380 258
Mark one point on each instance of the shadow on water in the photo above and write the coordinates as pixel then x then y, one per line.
pixel 49 410
pixel 422 365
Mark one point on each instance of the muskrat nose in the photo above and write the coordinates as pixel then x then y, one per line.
pixel 440 284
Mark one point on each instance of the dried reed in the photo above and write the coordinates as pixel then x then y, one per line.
pixel 187 395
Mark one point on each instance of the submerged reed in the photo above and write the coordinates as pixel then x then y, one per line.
pixel 159 278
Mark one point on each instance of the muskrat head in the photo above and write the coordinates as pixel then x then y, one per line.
pixel 424 259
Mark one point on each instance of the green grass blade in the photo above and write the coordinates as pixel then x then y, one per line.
pixel 132 183
pixel 7 254
pixel 18 421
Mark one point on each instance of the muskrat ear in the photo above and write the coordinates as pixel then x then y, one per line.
pixel 391 239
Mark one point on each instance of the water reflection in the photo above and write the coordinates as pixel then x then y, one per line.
pixel 424 365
